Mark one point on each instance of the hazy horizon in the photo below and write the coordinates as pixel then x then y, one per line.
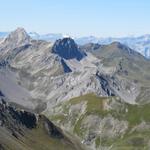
pixel 77 18
pixel 124 36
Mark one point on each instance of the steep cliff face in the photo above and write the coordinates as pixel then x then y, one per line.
pixel 68 49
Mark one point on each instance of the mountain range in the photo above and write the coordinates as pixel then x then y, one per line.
pixel 140 44
pixel 97 94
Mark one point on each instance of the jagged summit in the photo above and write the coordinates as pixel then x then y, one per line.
pixel 68 49
pixel 19 33
pixel 17 37
pixel 19 29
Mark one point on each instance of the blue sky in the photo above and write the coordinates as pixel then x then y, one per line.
pixel 101 18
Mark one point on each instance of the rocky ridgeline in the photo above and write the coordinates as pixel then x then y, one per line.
pixel 17 121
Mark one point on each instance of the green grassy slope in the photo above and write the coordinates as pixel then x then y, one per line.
pixel 102 107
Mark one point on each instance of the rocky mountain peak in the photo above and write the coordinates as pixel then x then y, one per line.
pixel 122 47
pixel 18 37
pixel 118 45
pixel 68 49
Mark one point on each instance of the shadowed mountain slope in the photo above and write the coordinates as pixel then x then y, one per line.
pixel 68 49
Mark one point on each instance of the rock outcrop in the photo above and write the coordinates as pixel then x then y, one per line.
pixel 68 49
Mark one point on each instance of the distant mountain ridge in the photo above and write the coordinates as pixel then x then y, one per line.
pixel 3 34
pixel 47 37
pixel 140 44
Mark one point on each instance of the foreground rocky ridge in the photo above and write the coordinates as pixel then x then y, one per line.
pixel 20 129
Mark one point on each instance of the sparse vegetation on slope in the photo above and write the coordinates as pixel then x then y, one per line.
pixel 105 121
